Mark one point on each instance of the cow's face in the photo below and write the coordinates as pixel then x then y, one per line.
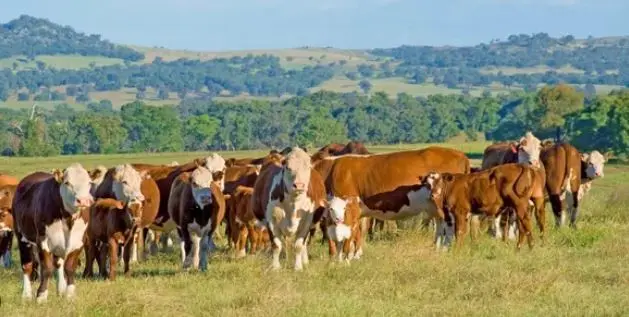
pixel 74 187
pixel 343 213
pixel 201 180
pixel 97 176
pixel 594 163
pixel 435 182
pixel 217 166
pixel 6 216
pixel 127 183
pixel 296 170
pixel 529 149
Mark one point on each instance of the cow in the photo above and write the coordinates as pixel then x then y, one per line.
pixel 525 151
pixel 244 224
pixel 569 176
pixel 197 206
pixel 286 196
pixel 6 223
pixel 123 182
pixel 342 218
pixel 51 212
pixel 386 184
pixel 458 196
pixel 112 224
pixel 235 176
pixel 337 149
pixel 272 156
pixel 164 177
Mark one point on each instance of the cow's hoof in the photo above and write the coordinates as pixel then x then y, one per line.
pixel 71 292
pixel 241 254
pixel 27 296
pixel 43 297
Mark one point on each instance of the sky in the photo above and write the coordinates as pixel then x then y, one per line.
pixel 362 24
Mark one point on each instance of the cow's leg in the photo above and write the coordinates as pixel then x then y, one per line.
pixel 127 254
pixel 474 226
pixel 133 245
pixel 113 258
pixel 497 229
pixel 332 249
pixel 69 268
pixel 299 246
pixel 26 259
pixel 324 231
pixel 46 272
pixel 460 223
pixel 90 256
pixel 574 210
pixel 439 233
pixel 103 251
pixel 540 216
pixel 206 239
pixel 524 225
pixel 186 248
pixel 556 203
pixel 241 240
pixel 357 240
pixel 62 284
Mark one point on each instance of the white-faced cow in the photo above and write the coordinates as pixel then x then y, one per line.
pixel 197 206
pixel 51 212
pixel 286 197
pixel 569 177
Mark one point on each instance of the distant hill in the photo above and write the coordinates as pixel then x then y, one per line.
pixel 31 37
pixel 49 63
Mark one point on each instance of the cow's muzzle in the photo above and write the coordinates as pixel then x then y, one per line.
pixel 83 202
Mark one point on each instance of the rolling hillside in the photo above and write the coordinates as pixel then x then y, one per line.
pixel 40 57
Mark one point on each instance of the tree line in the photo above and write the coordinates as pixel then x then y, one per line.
pixel 30 36
pixel 599 122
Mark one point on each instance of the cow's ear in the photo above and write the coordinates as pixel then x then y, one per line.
pixel 514 147
pixel 448 177
pixel 58 174
pixel 608 155
pixel 585 157
pixel 119 205
pixel 230 162
pixel 199 162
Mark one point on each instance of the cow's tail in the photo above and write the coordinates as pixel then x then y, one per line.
pixel 524 183
pixel 467 166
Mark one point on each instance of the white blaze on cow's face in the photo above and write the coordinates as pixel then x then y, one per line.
pixel 338 231
pixel 296 172
pixel 200 180
pixel 595 162
pixel 75 185
pixel 127 183
pixel 529 150
pixel 216 165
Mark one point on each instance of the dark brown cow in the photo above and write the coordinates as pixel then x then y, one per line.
pixel 197 206
pixel 112 224
pixel 51 212
pixel 6 222
pixel 286 197
pixel 569 177
pixel 245 226
pixel 457 196
pixel 386 184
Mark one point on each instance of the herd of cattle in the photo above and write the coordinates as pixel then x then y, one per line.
pixel 279 200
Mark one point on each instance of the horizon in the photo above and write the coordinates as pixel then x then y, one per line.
pixel 344 24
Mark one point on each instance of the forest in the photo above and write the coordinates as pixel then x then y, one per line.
pixel 600 122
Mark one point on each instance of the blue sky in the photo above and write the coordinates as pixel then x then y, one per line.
pixel 249 24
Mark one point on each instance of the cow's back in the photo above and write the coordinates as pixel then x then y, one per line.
pixel 380 173
pixel 36 203
pixel 561 161
pixel 240 176
pixel 8 180
pixel 180 197
pixel 498 153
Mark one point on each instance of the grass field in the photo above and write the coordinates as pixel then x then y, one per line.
pixel 581 272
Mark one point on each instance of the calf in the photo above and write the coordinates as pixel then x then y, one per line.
pixel 487 192
pixel 286 196
pixel 342 219
pixel 51 213
pixel 197 206
pixel 6 223
pixel 112 224
pixel 569 177
pixel 244 224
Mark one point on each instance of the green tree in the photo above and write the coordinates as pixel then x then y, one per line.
pixel 199 132
pixel 365 85
pixel 555 103
pixel 152 129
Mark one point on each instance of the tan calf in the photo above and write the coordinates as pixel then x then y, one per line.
pixel 245 226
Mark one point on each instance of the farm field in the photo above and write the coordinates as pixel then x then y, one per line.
pixel 581 272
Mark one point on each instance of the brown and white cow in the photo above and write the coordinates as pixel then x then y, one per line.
pixel 286 196
pixel 123 182
pixel 112 224
pixel 6 222
pixel 272 156
pixel 51 214
pixel 197 206
pixel 458 196
pixel 342 218
pixel 235 176
pixel 244 224
pixel 527 150
pixel 386 184
pixel 569 176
